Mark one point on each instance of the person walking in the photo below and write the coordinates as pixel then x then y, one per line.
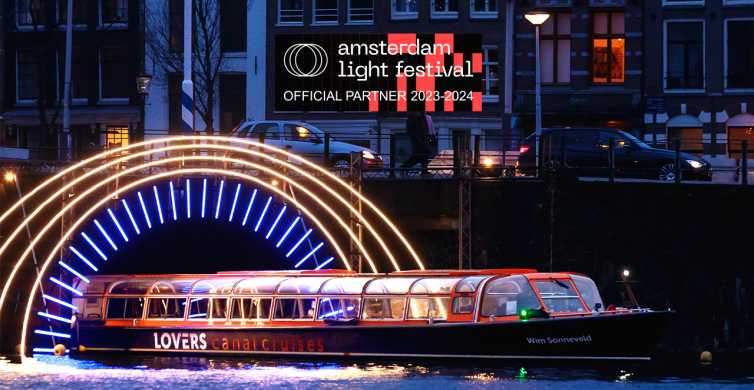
pixel 417 131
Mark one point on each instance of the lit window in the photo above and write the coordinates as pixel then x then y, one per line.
pixel 736 136
pixel 608 48
pixel 113 67
pixel 555 49
pixel 490 75
pixel 444 8
pixel 361 11
pixel 483 8
pixel 684 56
pixel 691 139
pixel 739 54
pixel 325 12
pixel 113 11
pixel 291 12
pixel 27 83
pixel 403 9
pixel 116 137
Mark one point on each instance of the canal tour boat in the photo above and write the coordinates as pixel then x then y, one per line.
pixel 494 314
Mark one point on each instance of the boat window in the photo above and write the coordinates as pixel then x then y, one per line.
pixel 383 308
pixel 344 285
pixel 133 287
pixel 251 308
pixel 219 308
pixel 436 308
pixel 307 285
pixel 259 285
pixel 198 308
pixel 171 287
pixel 469 284
pixel 336 308
pixel 294 308
pixel 589 291
pixel 463 305
pixel 434 286
pixel 221 286
pixel 559 296
pixel 125 308
pixel 505 296
pixel 166 308
pixel 390 286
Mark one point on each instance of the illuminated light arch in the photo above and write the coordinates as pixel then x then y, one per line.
pixel 212 139
pixel 74 227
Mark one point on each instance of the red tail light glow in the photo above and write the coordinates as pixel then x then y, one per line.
pixel 523 149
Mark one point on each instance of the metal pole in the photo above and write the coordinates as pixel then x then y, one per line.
pixel 187 87
pixel 326 151
pixel 391 164
pixel 67 154
pixel 537 91
pixel 611 160
pixel 677 167
pixel 744 162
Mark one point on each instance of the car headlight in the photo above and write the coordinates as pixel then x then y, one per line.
pixel 367 155
pixel 695 164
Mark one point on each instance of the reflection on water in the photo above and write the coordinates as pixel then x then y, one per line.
pixel 198 372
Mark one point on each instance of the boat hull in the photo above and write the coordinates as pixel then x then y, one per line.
pixel 630 336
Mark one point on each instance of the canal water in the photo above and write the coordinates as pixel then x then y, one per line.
pixel 204 373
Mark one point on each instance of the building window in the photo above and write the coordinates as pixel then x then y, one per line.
pixel 690 139
pixel 608 48
pixel 291 12
pixel 556 49
pixel 360 11
pixel 232 26
pixel 27 75
pixel 684 55
pixel 31 12
pixel 114 80
pixel 483 8
pixel 79 75
pixel 232 100
pixel 175 25
pixel 113 12
pixel 739 54
pixel 403 9
pixel 79 12
pixel 325 12
pixel 116 137
pixel 174 103
pixel 682 2
pixel 491 74
pixel 444 9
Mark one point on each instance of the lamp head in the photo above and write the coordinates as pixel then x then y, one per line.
pixel 9 176
pixel 537 18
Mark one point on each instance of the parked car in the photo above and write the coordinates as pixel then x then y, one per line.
pixel 306 140
pixel 584 151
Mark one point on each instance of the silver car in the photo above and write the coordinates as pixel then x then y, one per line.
pixel 306 140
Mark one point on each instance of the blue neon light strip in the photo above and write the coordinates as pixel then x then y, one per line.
pixel 264 211
pixel 172 202
pixel 54 317
pixel 310 254
pixel 53 334
pixel 324 263
pixel 333 313
pixel 308 232
pixel 83 258
pixel 94 246
pixel 60 302
pixel 144 209
pixel 204 195
pixel 104 234
pixel 248 208
pixel 235 199
pixel 188 198
pixel 272 228
pixel 131 216
pixel 287 231
pixel 65 286
pixel 73 271
pixel 159 208
pixel 219 199
pixel 117 224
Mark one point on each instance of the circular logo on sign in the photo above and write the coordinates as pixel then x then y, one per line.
pixel 305 60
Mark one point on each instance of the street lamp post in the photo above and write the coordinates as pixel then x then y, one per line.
pixel 537 19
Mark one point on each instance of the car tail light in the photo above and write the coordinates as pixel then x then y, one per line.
pixel 523 149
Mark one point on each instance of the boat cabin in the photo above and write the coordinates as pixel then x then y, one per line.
pixel 326 297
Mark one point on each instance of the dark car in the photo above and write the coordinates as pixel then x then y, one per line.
pixel 585 152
